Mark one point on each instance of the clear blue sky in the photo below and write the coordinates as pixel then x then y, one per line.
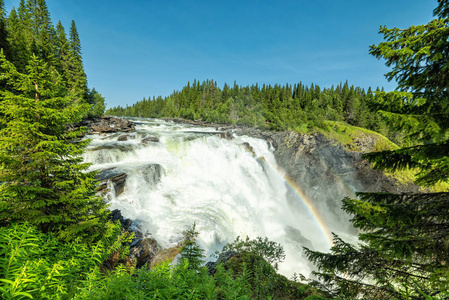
pixel 140 48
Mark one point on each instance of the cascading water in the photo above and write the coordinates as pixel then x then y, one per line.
pixel 181 174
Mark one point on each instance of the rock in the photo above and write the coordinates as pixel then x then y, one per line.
pixel 112 146
pixel 123 138
pixel 166 255
pixel 116 214
pixel 249 148
pixel 143 251
pixel 222 258
pixel 105 124
pixel 226 135
pixel 150 139
pixel 297 236
pixel 117 178
pixel 112 124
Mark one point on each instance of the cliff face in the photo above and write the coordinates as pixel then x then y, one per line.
pixel 324 172
pixel 314 160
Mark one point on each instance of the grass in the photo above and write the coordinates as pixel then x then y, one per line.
pixel 354 138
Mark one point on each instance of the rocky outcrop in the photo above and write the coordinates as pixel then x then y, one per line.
pixel 165 255
pixel 117 178
pixel 106 124
pixel 143 248
pixel 113 146
pixel 222 258
pixel 116 215
pixel 142 251
pixel 149 140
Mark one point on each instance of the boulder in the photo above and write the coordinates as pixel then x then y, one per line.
pixel 117 178
pixel 105 124
pixel 112 146
pixel 116 215
pixel 141 251
pixel 227 135
pixel 249 148
pixel 222 258
pixel 112 124
pixel 165 255
pixel 123 138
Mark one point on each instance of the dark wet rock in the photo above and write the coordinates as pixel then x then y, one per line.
pixel 141 250
pixel 123 138
pixel 249 148
pixel 226 135
pixel 112 146
pixel 222 258
pixel 117 178
pixel 116 215
pixel 150 139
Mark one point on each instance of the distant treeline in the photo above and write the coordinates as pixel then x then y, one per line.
pixel 277 107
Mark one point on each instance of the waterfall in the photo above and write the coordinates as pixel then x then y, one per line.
pixel 178 175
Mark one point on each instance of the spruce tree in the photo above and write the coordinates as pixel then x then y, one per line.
pixel 3 32
pixel 41 169
pixel 19 54
pixel 77 77
pixel 190 251
pixel 405 246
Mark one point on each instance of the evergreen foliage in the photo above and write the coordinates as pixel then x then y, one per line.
pixel 190 251
pixel 42 176
pixel 404 249
pixel 29 31
pixel 267 107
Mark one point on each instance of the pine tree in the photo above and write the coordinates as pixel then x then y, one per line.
pixel 405 246
pixel 41 169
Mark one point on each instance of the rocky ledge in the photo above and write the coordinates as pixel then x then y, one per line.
pixel 106 124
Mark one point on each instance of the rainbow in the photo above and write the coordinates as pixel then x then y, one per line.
pixel 311 209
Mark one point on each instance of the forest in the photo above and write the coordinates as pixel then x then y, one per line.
pixel 278 107
pixel 57 242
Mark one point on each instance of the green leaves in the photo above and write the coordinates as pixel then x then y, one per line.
pixel 38 266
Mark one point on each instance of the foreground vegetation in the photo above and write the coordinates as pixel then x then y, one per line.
pixel 34 265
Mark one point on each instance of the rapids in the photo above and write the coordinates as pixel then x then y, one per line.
pixel 224 186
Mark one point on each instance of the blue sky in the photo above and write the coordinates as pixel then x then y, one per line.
pixel 134 49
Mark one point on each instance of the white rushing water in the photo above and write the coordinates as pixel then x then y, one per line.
pixel 226 189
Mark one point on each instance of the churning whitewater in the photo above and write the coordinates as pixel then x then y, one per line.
pixel 178 175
